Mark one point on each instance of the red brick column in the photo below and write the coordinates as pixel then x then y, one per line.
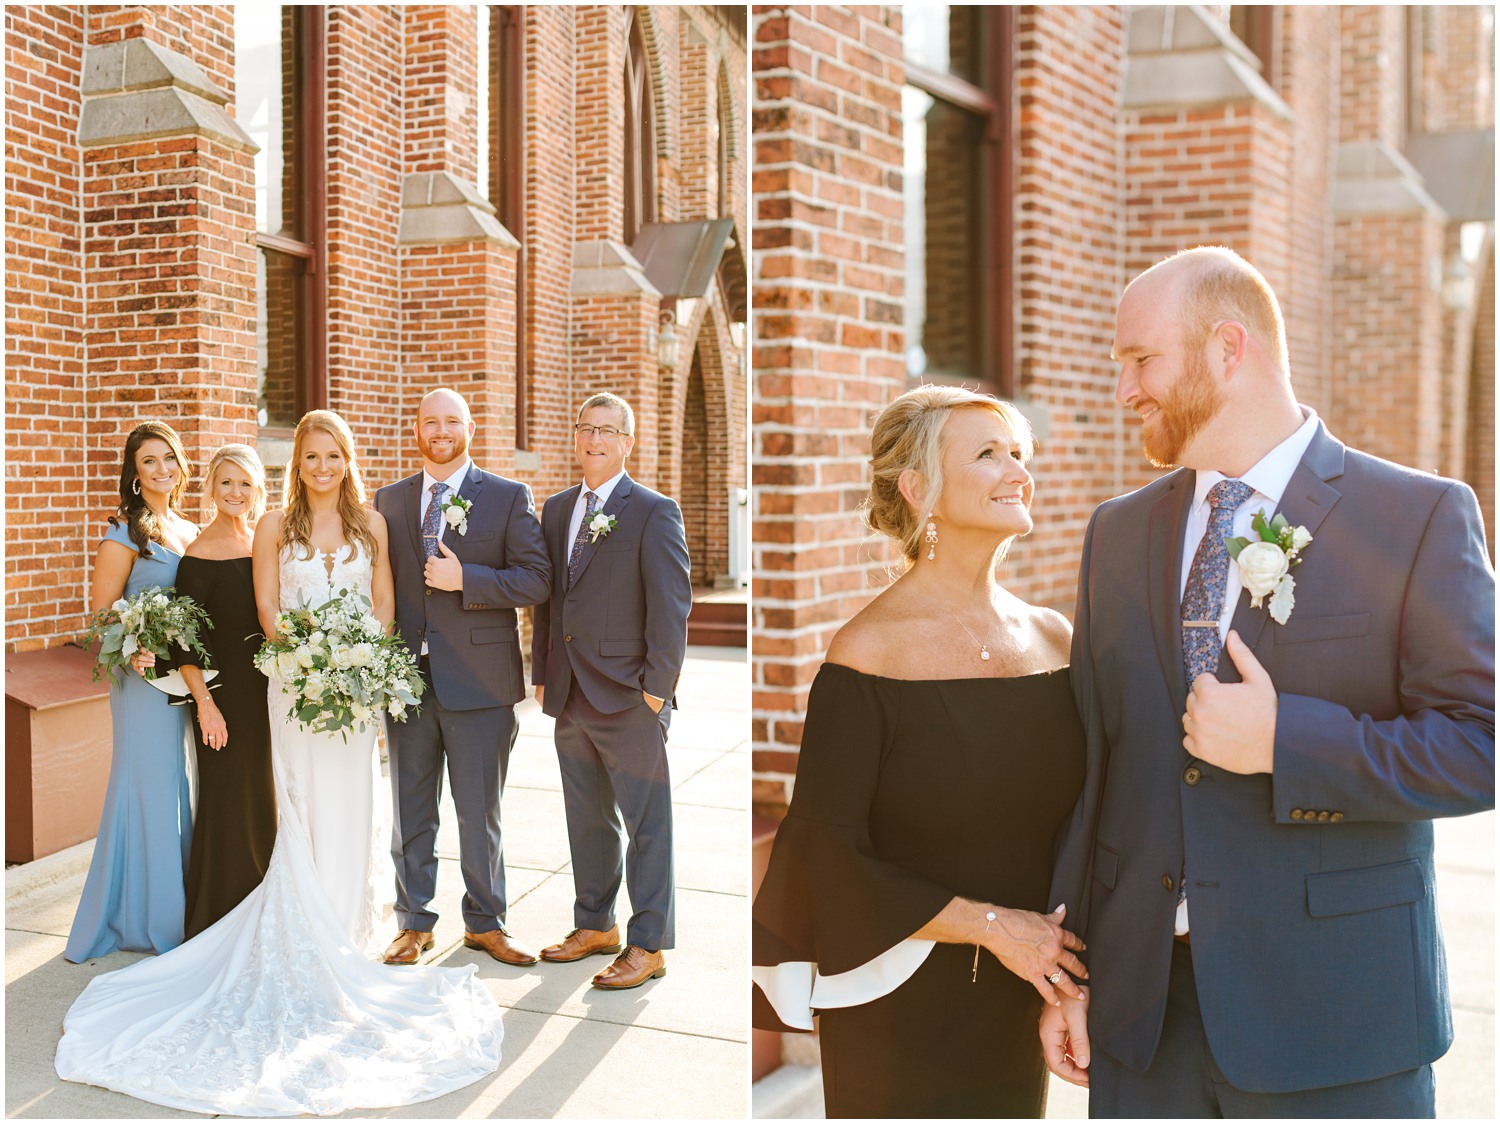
pixel 366 54
pixel 168 205
pixel 1480 458
pixel 1387 383
pixel 457 263
pixel 551 222
pixel 51 527
pixel 1069 72
pixel 827 266
pixel 1308 71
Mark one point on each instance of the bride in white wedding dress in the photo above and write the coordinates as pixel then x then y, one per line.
pixel 276 1008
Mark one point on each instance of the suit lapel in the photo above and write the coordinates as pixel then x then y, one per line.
pixel 471 487
pixel 412 513
pixel 556 513
pixel 1306 503
pixel 1165 529
pixel 612 506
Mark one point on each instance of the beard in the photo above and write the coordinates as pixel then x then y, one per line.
pixel 1188 407
pixel 460 447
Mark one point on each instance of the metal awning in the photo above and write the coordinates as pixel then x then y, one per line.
pixel 1458 171
pixel 679 258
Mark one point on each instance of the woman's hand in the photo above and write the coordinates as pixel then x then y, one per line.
pixel 211 722
pixel 1035 947
pixel 142 660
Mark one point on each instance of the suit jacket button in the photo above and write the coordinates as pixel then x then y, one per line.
pixel 429 593
pixel 1296 813
pixel 1166 880
pixel 1336 817
pixel 568 639
pixel 1323 817
pixel 1192 774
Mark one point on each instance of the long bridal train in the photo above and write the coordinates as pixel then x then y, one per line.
pixel 274 1010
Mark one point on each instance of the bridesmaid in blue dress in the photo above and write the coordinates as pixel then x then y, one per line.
pixel 133 896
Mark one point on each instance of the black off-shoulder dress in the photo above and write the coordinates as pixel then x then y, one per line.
pixel 234 829
pixel 909 792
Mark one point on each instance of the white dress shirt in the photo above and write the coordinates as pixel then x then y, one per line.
pixel 1269 477
pixel 603 491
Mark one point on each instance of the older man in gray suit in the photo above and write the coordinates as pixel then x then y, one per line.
pixel 1251 860
pixel 607 649
pixel 466 552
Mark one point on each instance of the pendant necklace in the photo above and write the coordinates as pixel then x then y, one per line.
pixel 984 650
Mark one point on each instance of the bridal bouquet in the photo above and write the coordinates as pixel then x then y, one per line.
pixel 152 620
pixel 340 666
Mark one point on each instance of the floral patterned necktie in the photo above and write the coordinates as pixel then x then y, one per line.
pixel 1203 600
pixel 583 534
pixel 432 522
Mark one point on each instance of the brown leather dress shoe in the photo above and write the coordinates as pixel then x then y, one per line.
pixel 408 947
pixel 498 943
pixel 584 942
pixel 631 968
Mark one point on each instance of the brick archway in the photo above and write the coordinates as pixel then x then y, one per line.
pixel 699 459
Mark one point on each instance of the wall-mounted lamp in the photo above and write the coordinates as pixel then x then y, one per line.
pixel 1458 285
pixel 666 341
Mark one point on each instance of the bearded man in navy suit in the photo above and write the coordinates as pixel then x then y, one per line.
pixel 1251 860
pixel 466 553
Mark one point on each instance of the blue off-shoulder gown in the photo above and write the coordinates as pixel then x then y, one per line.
pixel 133 897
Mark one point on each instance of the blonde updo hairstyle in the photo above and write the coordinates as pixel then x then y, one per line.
pixel 247 460
pixel 909 435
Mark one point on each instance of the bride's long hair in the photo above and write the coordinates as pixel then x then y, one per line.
pixel 296 522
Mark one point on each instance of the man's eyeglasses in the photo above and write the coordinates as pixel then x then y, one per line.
pixel 608 431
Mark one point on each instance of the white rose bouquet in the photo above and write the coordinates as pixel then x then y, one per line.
pixel 340 666
pixel 1265 565
pixel 153 620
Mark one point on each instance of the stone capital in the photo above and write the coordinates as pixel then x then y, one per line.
pixel 439 208
pixel 136 90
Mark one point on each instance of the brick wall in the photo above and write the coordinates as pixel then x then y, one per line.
pixel 167 226
pixel 1307 69
pixel 1101 193
pixel 46 410
pixel 828 260
pixel 1067 279
pixel 442 89
pixel 366 118
pixel 1372 79
pixel 556 384
pixel 1480 459
pixel 153 250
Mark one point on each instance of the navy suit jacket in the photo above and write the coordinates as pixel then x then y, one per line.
pixel 1315 938
pixel 472 644
pixel 620 627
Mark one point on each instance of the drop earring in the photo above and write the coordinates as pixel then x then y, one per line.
pixel 931 538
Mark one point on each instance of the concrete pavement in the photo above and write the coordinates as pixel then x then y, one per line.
pixel 1465 1075
pixel 675 1047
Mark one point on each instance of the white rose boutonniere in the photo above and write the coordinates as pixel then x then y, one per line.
pixel 601 525
pixel 1265 565
pixel 456 512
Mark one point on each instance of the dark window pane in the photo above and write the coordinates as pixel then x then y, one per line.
pixel 279 278
pixel 944 238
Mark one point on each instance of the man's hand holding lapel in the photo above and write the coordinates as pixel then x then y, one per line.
pixel 444 570
pixel 1233 725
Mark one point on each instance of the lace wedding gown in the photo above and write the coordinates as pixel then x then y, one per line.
pixel 276 1009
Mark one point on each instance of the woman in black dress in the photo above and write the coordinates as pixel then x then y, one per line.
pixel 235 826
pixel 941 754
